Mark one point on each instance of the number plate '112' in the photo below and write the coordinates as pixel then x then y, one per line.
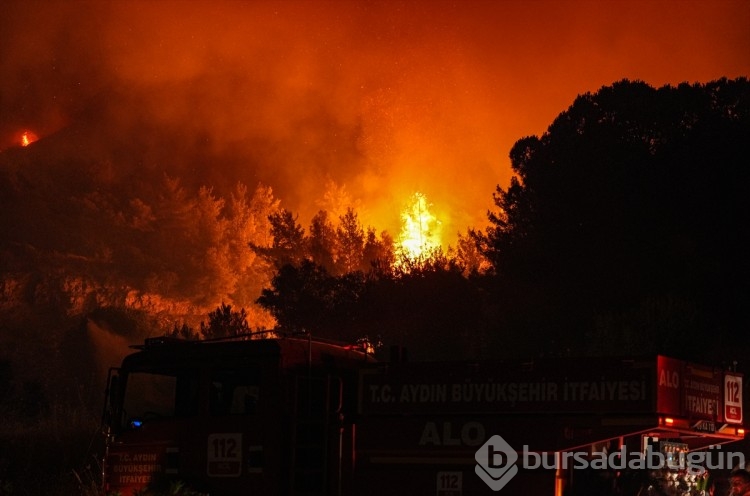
pixel 224 455
pixel 449 483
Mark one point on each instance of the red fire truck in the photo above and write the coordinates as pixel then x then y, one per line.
pixel 295 416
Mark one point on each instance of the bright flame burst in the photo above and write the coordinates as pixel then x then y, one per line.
pixel 28 137
pixel 420 231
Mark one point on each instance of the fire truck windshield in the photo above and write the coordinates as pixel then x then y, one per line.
pixel 159 394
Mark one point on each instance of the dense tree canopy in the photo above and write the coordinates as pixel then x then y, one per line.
pixel 225 322
pixel 428 306
pixel 342 281
pixel 624 227
pixel 622 233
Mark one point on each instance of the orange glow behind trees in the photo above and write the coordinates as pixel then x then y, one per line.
pixel 392 93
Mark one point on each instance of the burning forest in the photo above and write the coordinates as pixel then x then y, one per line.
pixel 494 179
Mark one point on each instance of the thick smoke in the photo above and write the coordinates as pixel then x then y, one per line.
pixel 386 98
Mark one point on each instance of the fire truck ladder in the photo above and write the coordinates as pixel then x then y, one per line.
pixel 310 436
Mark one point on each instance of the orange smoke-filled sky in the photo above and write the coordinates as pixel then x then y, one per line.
pixel 383 98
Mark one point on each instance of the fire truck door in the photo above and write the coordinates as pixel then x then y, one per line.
pixel 316 436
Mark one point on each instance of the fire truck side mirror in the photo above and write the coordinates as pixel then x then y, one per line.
pixel 111 396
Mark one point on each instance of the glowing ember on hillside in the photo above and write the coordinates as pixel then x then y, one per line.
pixel 28 137
pixel 420 232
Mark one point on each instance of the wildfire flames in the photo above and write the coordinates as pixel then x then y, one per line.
pixel 420 232
pixel 27 138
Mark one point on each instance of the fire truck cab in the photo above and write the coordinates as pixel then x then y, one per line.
pixel 235 416
pixel 295 416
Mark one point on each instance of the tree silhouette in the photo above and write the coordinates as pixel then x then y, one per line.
pixel 322 241
pixel 427 306
pixel 225 322
pixel 183 332
pixel 634 198
pixel 301 297
pixel 249 225
pixel 468 256
pixel 288 240
pixel 351 239
pixel 378 251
